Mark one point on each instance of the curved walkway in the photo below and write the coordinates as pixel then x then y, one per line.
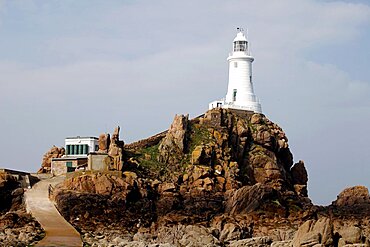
pixel 58 231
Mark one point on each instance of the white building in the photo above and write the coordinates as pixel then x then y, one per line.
pixel 240 94
pixel 80 146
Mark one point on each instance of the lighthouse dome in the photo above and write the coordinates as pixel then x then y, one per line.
pixel 240 43
pixel 240 37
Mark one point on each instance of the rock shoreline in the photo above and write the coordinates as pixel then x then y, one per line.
pixel 226 178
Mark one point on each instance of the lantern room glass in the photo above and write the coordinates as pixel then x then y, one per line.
pixel 240 45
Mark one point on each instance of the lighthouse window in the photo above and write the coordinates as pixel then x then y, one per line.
pixel 235 64
pixel 250 78
pixel 234 94
pixel 240 46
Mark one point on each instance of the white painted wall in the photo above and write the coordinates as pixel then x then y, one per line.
pixel 90 141
pixel 240 80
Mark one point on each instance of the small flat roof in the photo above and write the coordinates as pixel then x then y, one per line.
pixel 83 137
pixel 70 158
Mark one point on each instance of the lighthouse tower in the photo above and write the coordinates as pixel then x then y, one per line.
pixel 240 94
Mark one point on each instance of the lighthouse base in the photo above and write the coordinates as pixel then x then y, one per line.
pixel 252 106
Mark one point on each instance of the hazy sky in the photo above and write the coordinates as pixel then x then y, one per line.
pixel 72 68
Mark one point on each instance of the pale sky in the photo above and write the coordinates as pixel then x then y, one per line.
pixel 73 68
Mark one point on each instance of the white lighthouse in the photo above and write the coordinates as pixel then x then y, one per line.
pixel 240 94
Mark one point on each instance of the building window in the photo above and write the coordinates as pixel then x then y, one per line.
pixel 250 78
pixel 96 147
pixel 69 164
pixel 85 149
pixel 235 64
pixel 234 94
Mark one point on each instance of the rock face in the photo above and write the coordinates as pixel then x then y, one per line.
pixel 300 178
pixel 224 163
pixel 54 152
pixel 10 195
pixel 224 179
pixel 312 233
pixel 353 196
pixel 17 228
pixel 249 198
pixel 324 232
pixel 173 145
pixel 96 199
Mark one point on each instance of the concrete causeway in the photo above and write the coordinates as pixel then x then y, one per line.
pixel 58 231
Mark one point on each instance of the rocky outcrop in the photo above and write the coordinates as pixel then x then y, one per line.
pixel 116 150
pixel 114 147
pixel 104 143
pixel 11 195
pixel 258 146
pixel 352 197
pixel 54 152
pixel 17 228
pixel 300 178
pixel 314 233
pixel 102 184
pixel 223 179
pixel 174 144
pixel 94 200
pixel 249 198
pixel 327 232
pixel 352 205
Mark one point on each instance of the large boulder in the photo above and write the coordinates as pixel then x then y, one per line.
pixel 174 144
pixel 54 152
pixel 249 198
pixel 350 235
pixel 353 196
pixel 104 143
pixel 313 233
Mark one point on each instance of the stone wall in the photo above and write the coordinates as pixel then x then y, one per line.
pixel 59 166
pixel 98 162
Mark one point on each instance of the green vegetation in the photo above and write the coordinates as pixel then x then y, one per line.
pixel 148 159
pixel 199 134
pixel 148 156
pixel 152 151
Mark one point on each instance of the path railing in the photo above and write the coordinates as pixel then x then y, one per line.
pixel 50 191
